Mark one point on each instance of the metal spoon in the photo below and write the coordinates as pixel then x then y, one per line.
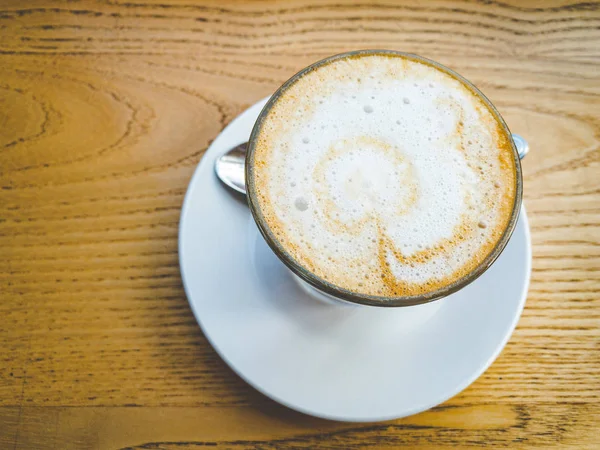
pixel 230 167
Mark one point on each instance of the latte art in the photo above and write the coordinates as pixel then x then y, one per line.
pixel 384 175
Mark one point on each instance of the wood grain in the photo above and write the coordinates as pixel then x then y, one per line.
pixel 106 107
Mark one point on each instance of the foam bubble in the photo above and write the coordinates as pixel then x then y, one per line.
pixel 402 190
pixel 301 204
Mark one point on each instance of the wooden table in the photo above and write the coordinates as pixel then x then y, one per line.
pixel 106 108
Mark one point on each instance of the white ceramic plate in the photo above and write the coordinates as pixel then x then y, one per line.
pixel 351 363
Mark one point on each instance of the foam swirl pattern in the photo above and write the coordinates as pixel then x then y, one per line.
pixel 384 175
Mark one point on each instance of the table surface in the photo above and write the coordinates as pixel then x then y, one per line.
pixel 106 108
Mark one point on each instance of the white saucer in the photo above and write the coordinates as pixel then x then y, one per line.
pixel 351 363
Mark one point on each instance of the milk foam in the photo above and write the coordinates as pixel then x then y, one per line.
pixel 383 175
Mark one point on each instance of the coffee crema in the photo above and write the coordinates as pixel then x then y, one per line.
pixel 383 175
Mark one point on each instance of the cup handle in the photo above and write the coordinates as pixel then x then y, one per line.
pixel 521 144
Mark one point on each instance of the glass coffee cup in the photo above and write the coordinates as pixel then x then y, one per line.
pixel 334 291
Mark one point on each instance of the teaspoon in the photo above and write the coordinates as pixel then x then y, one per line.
pixel 230 167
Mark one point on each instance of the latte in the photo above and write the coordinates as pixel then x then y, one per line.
pixel 383 175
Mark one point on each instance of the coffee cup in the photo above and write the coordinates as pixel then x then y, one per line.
pixel 383 178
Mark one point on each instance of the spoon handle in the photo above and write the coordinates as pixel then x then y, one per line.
pixel 521 144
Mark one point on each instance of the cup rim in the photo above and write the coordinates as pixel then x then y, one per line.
pixel 346 294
